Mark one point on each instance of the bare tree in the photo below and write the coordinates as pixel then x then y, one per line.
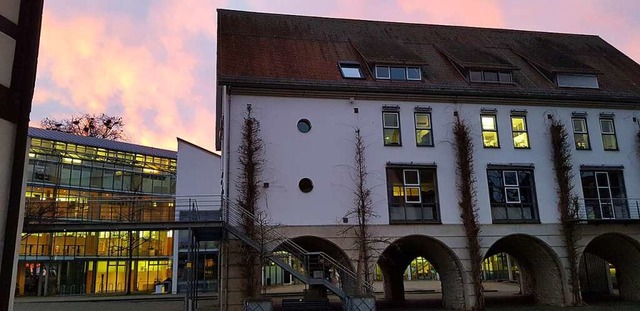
pixel 40 212
pixel 567 201
pixel 250 159
pixel 92 125
pixel 467 202
pixel 363 212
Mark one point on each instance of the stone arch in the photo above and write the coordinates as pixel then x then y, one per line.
pixel 396 257
pixel 314 244
pixel 317 244
pixel 624 253
pixel 540 267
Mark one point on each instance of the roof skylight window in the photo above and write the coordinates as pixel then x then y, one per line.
pixel 351 70
pixel 398 73
pixel 490 76
pixel 587 81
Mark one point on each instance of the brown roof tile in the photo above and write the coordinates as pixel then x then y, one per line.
pixel 272 50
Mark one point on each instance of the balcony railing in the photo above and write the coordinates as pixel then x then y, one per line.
pixel 609 210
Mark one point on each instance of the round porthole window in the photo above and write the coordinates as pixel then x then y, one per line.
pixel 304 126
pixel 305 185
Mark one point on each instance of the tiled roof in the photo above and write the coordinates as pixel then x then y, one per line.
pixel 300 52
pixel 100 143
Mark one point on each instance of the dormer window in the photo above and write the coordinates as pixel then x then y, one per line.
pixel 351 70
pixel 490 76
pixel 398 73
pixel 586 81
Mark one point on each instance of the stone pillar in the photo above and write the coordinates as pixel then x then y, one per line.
pixel 231 280
pixel 394 285
pixel 527 282
pixel 456 294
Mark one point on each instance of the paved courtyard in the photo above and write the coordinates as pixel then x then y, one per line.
pixel 420 295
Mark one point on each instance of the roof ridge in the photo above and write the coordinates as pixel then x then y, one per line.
pixel 344 19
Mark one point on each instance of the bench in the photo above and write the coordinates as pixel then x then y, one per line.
pixel 306 305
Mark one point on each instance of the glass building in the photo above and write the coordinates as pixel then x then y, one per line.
pixel 77 179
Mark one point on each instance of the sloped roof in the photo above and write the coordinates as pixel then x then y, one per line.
pixel 100 143
pixel 262 50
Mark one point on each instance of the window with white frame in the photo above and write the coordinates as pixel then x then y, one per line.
pixel 512 194
pixel 581 133
pixel 608 130
pixel 391 128
pixel 489 131
pixel 411 186
pixel 351 70
pixel 604 192
pixel 519 132
pixel 424 132
pixel 412 194
pixel 398 73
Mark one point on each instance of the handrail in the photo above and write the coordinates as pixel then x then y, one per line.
pixel 236 217
pixel 608 209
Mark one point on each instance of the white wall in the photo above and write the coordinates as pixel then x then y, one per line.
pixel 326 153
pixel 199 171
pixel 198 177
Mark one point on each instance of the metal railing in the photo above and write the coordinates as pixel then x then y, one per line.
pixel 121 209
pixel 316 267
pixel 617 209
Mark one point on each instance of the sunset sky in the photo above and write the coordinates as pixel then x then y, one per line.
pixel 153 61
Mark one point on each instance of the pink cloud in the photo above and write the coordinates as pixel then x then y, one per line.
pixel 144 70
pixel 157 69
pixel 455 12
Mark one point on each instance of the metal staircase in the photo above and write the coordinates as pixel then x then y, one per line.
pixel 316 267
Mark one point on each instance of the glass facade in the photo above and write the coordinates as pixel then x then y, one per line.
pixel 67 182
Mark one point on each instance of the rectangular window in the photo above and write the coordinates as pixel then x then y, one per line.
pixel 608 130
pixel 414 73
pixel 512 195
pixel 519 132
pixel 391 128
pixel 412 194
pixel 489 131
pixel 587 81
pixel 412 186
pixel 382 72
pixel 581 133
pixel 490 76
pixel 398 73
pixel 424 133
pixel 604 192
pixel 351 70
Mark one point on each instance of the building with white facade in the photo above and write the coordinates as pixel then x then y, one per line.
pixel 198 191
pixel 312 82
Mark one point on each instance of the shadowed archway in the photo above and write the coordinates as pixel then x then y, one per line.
pixel 624 253
pixel 316 244
pixel 539 266
pixel 313 263
pixel 396 257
